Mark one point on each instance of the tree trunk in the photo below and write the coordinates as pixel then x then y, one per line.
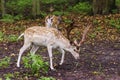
pixel 36 8
pixel 103 6
pixel 3 7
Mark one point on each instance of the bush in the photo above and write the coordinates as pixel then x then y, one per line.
pixel 118 2
pixel 82 7
pixel 12 38
pixel 8 18
pixel 115 23
pixel 35 63
pixel 5 62
pixel 8 76
pixel 47 78
pixel 19 7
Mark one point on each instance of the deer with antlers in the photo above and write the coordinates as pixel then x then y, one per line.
pixel 51 38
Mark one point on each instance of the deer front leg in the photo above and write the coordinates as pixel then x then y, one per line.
pixel 50 56
pixel 63 55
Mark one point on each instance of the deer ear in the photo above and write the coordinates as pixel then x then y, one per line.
pixel 52 16
pixel 60 18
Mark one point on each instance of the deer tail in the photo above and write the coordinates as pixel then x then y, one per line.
pixel 20 36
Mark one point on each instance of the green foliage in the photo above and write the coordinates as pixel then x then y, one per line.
pixel 68 21
pixel 47 78
pixel 7 18
pixel 114 11
pixel 1 36
pixel 82 7
pixel 115 23
pixel 43 14
pixel 95 22
pixel 12 38
pixel 48 1
pixel 57 13
pixel 60 13
pixel 35 63
pixel 18 6
pixel 92 35
pixel 9 38
pixel 23 8
pixel 54 1
pixel 8 76
pixel 18 17
pixel 118 2
pixel 5 62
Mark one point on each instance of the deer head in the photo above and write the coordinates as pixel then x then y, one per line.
pixel 52 21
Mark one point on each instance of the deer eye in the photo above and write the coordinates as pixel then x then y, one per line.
pixel 75 50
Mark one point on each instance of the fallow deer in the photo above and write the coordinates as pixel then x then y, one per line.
pixel 51 38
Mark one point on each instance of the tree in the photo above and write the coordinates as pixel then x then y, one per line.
pixel 103 6
pixel 36 7
pixel 3 7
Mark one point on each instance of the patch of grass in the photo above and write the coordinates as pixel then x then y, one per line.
pixel 9 38
pixel 1 36
pixel 7 18
pixel 47 78
pixel 16 74
pixel 8 76
pixel 68 21
pixel 115 23
pixel 12 38
pixel 95 22
pixel 82 7
pixel 35 63
pixel 92 35
pixel 4 62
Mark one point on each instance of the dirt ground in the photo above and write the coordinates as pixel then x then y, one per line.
pixel 98 61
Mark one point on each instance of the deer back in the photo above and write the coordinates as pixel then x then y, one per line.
pixel 45 36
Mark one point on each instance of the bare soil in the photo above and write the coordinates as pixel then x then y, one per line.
pixel 98 61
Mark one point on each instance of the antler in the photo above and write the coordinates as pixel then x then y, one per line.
pixel 83 36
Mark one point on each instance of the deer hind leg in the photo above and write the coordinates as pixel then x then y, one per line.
pixel 25 46
pixel 34 49
pixel 51 57
pixel 63 55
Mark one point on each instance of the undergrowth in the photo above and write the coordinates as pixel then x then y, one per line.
pixel 35 63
